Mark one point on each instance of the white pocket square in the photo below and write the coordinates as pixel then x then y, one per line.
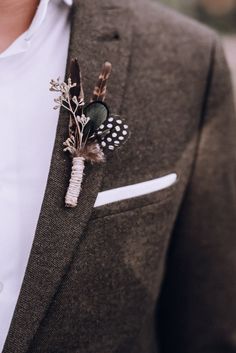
pixel 135 190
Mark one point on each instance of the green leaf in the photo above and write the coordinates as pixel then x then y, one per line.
pixel 98 113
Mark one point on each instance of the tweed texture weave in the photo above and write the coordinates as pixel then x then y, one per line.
pixel 154 274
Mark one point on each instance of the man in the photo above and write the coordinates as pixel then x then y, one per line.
pixel 154 272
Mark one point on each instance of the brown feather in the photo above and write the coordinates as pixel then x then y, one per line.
pixel 99 92
pixel 75 75
pixel 92 152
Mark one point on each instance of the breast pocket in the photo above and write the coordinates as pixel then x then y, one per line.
pixel 134 196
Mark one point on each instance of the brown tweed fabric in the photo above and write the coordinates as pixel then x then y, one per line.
pixel 156 273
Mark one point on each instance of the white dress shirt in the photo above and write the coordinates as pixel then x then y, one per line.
pixel 28 127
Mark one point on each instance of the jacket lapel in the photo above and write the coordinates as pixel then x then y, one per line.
pixel 99 32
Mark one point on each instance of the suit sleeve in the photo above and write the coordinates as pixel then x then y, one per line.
pixel 197 308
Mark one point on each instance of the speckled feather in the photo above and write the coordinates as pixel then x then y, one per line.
pixel 100 89
pixel 113 133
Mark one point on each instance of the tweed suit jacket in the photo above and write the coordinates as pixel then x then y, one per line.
pixel 156 273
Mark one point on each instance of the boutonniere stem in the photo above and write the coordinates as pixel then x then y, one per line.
pixel 92 130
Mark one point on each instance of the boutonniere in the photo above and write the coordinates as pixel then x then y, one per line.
pixel 92 130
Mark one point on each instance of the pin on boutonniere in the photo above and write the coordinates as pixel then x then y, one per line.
pixel 93 131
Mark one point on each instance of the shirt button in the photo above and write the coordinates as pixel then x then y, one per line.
pixel 1 287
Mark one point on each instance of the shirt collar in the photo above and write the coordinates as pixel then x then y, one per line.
pixel 22 43
pixel 40 16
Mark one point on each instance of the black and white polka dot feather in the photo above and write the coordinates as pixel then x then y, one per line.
pixel 112 133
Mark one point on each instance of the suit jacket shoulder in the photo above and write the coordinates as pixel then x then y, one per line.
pixel 152 18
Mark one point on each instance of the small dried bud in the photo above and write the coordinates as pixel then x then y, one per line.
pixel 75 100
pixel 83 119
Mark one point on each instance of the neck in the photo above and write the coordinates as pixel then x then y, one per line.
pixel 15 18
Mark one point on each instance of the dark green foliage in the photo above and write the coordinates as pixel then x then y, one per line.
pixel 97 112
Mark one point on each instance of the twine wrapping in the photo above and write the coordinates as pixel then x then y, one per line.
pixel 74 188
